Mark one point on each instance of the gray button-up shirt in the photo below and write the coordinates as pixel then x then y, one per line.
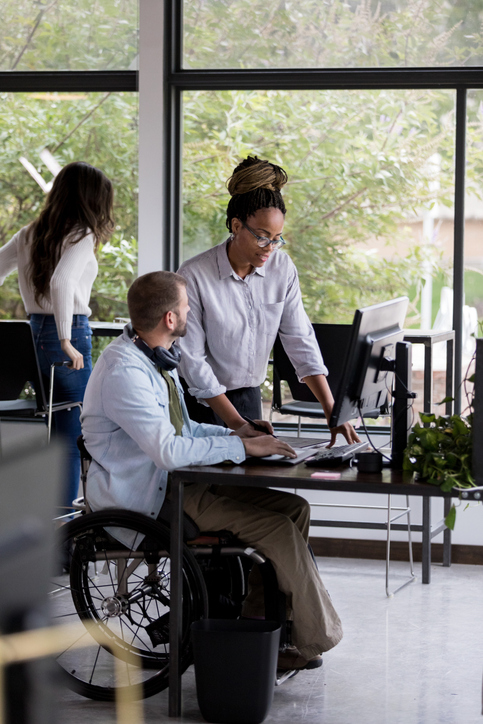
pixel 233 323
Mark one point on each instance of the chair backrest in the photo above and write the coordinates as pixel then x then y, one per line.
pixel 333 340
pixel 18 362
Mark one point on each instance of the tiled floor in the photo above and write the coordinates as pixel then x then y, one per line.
pixel 414 659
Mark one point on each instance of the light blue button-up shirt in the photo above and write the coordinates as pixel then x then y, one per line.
pixel 127 430
pixel 233 323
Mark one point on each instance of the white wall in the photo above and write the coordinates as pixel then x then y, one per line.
pixel 468 529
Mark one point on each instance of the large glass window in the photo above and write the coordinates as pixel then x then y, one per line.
pixel 64 35
pixel 331 34
pixel 99 128
pixel 369 197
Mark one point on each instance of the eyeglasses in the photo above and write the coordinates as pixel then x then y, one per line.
pixel 264 241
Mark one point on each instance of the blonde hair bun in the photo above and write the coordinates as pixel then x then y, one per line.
pixel 254 173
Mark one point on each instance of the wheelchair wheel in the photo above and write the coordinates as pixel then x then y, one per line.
pixel 122 590
pixel 225 582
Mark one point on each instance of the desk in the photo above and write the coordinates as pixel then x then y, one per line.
pixel 283 476
pixel 106 329
pixel 429 339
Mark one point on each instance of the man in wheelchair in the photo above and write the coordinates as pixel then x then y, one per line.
pixel 136 428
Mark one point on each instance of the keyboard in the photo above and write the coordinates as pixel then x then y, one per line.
pixel 335 456
pixel 304 447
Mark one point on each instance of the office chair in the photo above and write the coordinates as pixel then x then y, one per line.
pixel 18 366
pixel 333 340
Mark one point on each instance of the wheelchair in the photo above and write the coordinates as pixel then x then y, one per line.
pixel 123 590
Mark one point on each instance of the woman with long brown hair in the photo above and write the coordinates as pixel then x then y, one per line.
pixel 56 260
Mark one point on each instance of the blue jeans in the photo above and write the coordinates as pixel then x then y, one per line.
pixel 69 384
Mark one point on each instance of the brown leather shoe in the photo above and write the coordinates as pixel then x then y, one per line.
pixel 292 659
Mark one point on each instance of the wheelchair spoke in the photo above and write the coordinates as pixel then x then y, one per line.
pixel 95 664
pixel 73 643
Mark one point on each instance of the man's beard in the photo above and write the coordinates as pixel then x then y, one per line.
pixel 180 330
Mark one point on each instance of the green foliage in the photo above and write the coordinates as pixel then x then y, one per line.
pixel 440 452
pixel 100 128
pixel 359 165
pixel 66 35
pixel 332 34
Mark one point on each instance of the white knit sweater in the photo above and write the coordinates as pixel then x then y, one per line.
pixel 70 285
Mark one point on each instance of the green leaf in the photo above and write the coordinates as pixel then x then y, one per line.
pixel 427 417
pixel 450 519
pixel 446 399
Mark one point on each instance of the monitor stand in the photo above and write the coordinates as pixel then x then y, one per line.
pixel 402 413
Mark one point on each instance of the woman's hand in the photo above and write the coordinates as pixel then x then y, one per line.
pixel 77 360
pixel 347 430
pixel 247 430
pixel 267 445
pixel 319 386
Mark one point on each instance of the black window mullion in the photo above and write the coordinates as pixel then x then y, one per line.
pixel 324 79
pixel 173 136
pixel 67 81
pixel 458 251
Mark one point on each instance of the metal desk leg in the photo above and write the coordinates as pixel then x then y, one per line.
pixel 447 535
pixel 426 539
pixel 428 379
pixel 449 374
pixel 176 611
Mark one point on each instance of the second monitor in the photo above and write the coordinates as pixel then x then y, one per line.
pixel 375 354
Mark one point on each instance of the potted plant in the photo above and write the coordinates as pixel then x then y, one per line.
pixel 440 451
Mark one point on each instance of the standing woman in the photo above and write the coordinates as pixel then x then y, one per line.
pixel 241 294
pixel 56 260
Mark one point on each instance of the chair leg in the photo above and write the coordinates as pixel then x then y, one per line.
pixel 299 429
pixel 412 577
pixel 51 397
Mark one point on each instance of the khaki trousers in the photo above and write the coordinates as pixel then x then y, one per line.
pixel 277 524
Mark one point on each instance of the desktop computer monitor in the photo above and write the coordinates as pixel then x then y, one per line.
pixel 375 353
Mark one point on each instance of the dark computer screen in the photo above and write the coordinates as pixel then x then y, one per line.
pixel 364 385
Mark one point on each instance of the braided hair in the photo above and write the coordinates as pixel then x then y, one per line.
pixel 255 184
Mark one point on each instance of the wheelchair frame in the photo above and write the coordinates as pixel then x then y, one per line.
pixel 124 590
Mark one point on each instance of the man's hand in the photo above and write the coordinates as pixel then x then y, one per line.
pixel 77 360
pixel 347 430
pixel 267 445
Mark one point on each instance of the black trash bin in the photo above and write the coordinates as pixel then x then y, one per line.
pixel 235 668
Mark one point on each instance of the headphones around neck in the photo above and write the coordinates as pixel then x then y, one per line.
pixel 166 359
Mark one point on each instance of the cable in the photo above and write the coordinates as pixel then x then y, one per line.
pixel 469 405
pixel 368 436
